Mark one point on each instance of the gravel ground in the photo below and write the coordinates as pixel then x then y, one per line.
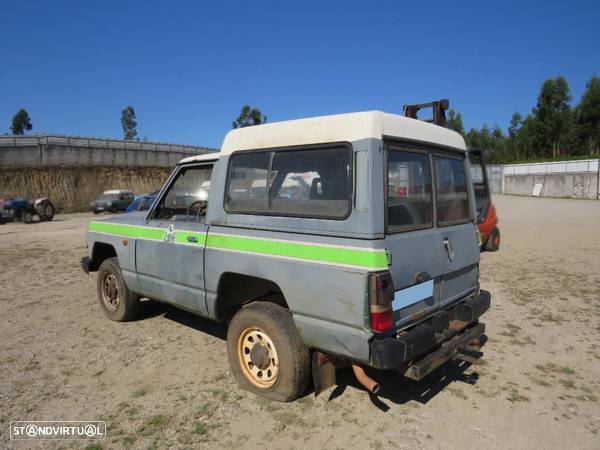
pixel 163 381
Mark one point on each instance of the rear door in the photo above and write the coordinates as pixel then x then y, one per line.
pixel 413 242
pixel 430 233
pixel 455 225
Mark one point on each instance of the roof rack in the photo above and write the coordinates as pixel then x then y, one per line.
pixel 439 108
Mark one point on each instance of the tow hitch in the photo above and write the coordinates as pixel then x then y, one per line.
pixel 456 348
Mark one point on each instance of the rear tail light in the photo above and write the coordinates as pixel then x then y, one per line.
pixel 381 295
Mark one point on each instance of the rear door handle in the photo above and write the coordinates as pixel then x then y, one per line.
pixel 449 249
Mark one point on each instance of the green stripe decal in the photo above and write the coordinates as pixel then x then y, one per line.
pixel 336 255
pixel 367 258
pixel 128 230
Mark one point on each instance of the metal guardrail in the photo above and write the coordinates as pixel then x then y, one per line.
pixel 92 142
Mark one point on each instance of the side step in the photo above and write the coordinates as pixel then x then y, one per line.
pixel 454 348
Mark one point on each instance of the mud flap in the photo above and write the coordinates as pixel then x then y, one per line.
pixel 323 372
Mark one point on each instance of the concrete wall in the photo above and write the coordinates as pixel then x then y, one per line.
pixel 494 173
pixel 573 185
pixel 72 170
pixel 50 151
pixel 73 188
pixel 574 179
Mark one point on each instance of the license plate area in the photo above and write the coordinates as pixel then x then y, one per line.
pixel 412 302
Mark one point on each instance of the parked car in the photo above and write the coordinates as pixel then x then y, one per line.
pixel 375 262
pixel 487 220
pixel 21 208
pixel 142 202
pixel 113 201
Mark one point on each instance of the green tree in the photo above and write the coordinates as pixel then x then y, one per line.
pixel 491 141
pixel 516 121
pixel 128 123
pixel 248 117
pixel 21 122
pixel 554 114
pixel 454 122
pixel 588 116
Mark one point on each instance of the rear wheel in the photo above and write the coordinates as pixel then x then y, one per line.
pixel 266 353
pixel 47 210
pixel 116 300
pixel 493 242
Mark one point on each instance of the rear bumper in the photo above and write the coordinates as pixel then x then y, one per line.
pixel 447 330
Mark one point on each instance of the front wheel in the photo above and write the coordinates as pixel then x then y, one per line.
pixel 266 353
pixel 116 300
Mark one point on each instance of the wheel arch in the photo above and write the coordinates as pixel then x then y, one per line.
pixel 100 252
pixel 237 289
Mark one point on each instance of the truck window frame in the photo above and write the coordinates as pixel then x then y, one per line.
pixel 272 151
pixel 169 183
pixel 390 145
pixel 447 155
pixel 432 150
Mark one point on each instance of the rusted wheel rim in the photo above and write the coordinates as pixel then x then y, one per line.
pixel 110 292
pixel 258 357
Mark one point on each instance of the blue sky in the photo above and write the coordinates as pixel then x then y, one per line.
pixel 187 67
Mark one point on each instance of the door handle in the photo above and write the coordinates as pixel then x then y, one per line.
pixel 192 239
pixel 449 249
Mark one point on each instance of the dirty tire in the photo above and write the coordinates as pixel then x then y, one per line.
pixel 27 217
pixel 47 210
pixel 293 356
pixel 490 246
pixel 121 305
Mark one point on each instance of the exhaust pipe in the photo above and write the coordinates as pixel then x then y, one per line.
pixel 369 384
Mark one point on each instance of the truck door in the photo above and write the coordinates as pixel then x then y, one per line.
pixel 170 266
pixel 412 240
pixel 460 248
